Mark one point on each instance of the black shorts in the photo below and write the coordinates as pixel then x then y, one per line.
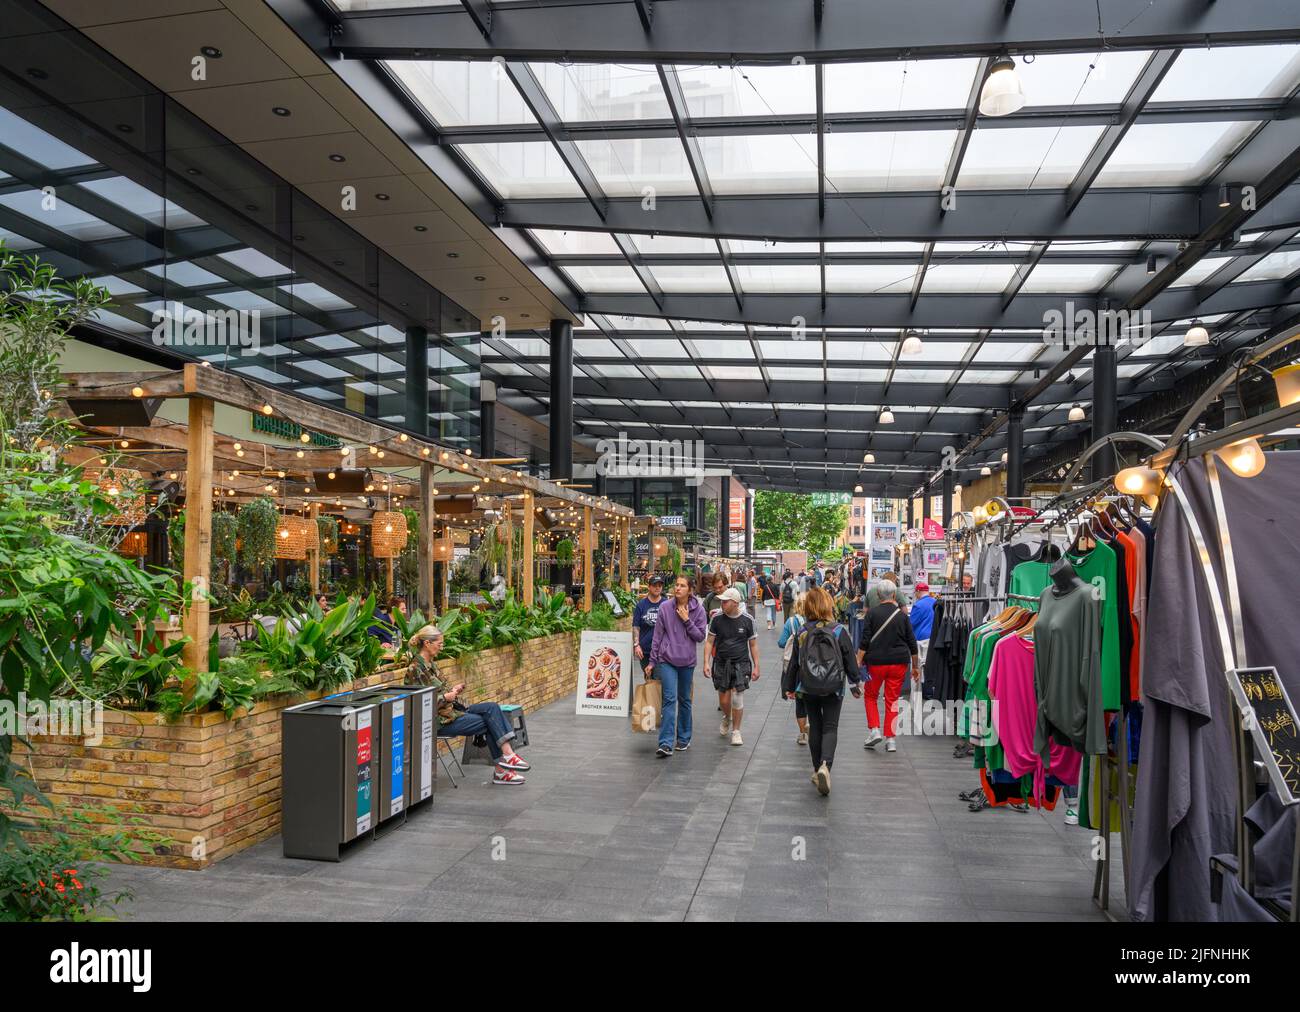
pixel 732 675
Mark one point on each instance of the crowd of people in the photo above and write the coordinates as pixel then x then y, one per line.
pixel 820 661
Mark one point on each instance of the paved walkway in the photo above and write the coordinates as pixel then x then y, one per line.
pixel 605 831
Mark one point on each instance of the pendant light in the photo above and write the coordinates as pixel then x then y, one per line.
pixel 1197 336
pixel 985 471
pixel 869 458
pixel 1138 480
pixel 1076 412
pixel 886 416
pixel 1245 458
pixel 857 489
pixel 912 345
pixel 1001 94
pixel 1287 381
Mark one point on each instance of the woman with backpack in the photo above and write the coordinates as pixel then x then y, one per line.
pixel 821 660
pixel 888 644
pixel 786 642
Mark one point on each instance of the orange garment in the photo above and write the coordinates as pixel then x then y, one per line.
pixel 1135 603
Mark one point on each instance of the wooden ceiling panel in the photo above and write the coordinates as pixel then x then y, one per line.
pixel 245 112
pixel 303 160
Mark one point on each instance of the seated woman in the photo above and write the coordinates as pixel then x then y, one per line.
pixel 456 719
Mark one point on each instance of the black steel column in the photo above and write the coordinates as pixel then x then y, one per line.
pixel 692 507
pixel 749 526
pixel 417 380
pixel 487 420
pixel 947 498
pixel 638 501
pixel 1105 407
pixel 561 406
pixel 1015 455
pixel 911 511
pixel 926 506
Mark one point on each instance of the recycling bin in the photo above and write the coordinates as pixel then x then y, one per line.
pixel 392 747
pixel 329 768
pixel 417 729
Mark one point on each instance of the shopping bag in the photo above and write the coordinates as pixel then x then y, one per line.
pixel 647 706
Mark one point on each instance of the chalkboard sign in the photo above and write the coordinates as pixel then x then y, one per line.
pixel 1271 719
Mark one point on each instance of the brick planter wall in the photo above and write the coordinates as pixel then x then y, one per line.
pixel 212 785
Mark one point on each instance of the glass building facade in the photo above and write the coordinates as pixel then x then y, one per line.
pixel 210 256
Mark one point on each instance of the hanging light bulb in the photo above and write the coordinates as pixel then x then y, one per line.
pixel 1076 412
pixel 1001 94
pixel 912 345
pixel 868 458
pixel 267 409
pixel 1197 336
pixel 857 489
pixel 1245 458
pixel 1138 480
pixel 344 450
pixel 886 416
pixel 304 437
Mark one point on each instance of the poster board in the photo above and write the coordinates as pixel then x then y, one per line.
pixel 604 678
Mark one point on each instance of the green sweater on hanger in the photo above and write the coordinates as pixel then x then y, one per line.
pixel 1100 567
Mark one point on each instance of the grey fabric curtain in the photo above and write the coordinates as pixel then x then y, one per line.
pixel 1186 800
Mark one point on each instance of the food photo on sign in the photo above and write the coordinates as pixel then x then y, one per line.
pixel 605 667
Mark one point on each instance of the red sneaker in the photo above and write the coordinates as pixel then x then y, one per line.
pixel 513 762
pixel 506 777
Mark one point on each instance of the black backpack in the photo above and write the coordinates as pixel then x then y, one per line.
pixel 787 593
pixel 821 665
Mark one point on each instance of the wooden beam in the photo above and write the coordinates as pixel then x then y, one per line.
pixel 528 575
pixel 198 539
pixel 587 574
pixel 426 598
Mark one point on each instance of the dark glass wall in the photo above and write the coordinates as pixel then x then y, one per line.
pixel 207 253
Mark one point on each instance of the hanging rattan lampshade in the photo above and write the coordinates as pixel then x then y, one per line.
pixel 388 533
pixel 124 487
pixel 310 533
pixel 290 541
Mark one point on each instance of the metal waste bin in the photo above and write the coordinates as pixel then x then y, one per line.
pixel 416 725
pixel 329 770
pixel 392 745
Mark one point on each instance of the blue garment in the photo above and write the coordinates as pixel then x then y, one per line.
pixel 644 617
pixel 481 718
pixel 677 682
pixel 922 616
pixel 792 626
pixel 382 630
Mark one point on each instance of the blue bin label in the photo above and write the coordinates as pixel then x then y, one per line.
pixel 397 794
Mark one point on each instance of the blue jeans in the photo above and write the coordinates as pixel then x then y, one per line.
pixel 676 682
pixel 481 718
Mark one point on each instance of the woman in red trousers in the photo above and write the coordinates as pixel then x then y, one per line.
pixel 888 649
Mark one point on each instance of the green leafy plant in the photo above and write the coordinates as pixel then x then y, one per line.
pixel 233 685
pixel 131 676
pixel 256 524
pixel 56 878
pixel 328 649
pixel 564 552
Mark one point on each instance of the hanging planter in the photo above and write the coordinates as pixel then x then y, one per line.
pixel 257 523
pixel 124 488
pixel 327 534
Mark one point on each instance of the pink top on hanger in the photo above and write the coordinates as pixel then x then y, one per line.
pixel 1015 712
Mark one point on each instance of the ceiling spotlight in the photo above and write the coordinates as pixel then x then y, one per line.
pixel 886 416
pixel 1197 336
pixel 911 344
pixel 1245 458
pixel 280 110
pixel 337 158
pixel 1076 412
pixel 869 458
pixel 1001 94
pixel 211 52
pixel 1225 195
pixel 1138 480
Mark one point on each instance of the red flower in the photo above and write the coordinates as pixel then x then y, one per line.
pixel 59 887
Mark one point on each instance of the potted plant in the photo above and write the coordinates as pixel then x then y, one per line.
pixel 563 573
pixel 256 524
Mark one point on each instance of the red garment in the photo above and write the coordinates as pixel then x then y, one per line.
pixel 1131 554
pixel 891 677
pixel 1015 714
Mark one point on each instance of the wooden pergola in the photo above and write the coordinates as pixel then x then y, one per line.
pixel 243 468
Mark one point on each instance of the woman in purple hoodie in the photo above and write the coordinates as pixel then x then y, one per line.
pixel 681 627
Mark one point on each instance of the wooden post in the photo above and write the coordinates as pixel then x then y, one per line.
pixel 446 572
pixel 508 520
pixel 530 517
pixel 388 577
pixel 588 576
pixel 198 538
pixel 314 561
pixel 624 534
pixel 426 598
